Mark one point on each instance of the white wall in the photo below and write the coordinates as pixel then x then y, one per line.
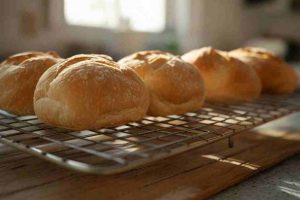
pixel 57 35
pixel 227 24
pixel 224 24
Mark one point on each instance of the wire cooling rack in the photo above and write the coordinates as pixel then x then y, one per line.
pixel 113 150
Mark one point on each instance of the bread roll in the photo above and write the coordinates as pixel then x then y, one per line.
pixel 227 79
pixel 90 92
pixel 19 75
pixel 276 76
pixel 175 86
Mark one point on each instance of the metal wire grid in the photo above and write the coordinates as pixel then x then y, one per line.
pixel 112 150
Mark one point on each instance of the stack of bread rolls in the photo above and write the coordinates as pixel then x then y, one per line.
pixel 91 91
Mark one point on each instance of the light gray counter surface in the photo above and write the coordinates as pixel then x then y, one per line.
pixel 282 182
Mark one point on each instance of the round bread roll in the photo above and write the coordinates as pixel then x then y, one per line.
pixel 90 92
pixel 19 75
pixel 175 86
pixel 276 76
pixel 227 79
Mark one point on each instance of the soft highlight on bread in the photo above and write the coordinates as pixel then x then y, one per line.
pixel 227 79
pixel 19 75
pixel 175 86
pixel 90 92
pixel 276 76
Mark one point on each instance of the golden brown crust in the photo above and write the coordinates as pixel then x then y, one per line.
pixel 20 57
pixel 19 75
pixel 226 79
pixel 175 86
pixel 276 76
pixel 90 92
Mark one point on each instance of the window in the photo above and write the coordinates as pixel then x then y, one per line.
pixel 136 15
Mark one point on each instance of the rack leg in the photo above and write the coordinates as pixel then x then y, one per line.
pixel 230 142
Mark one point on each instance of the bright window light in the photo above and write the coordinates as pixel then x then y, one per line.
pixel 136 15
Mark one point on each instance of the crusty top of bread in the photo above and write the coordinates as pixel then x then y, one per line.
pixel 20 57
pixel 208 57
pixel 257 53
pixel 146 62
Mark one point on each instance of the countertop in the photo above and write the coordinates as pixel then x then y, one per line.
pixel 196 174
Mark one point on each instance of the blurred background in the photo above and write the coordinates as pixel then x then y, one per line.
pixel 121 27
